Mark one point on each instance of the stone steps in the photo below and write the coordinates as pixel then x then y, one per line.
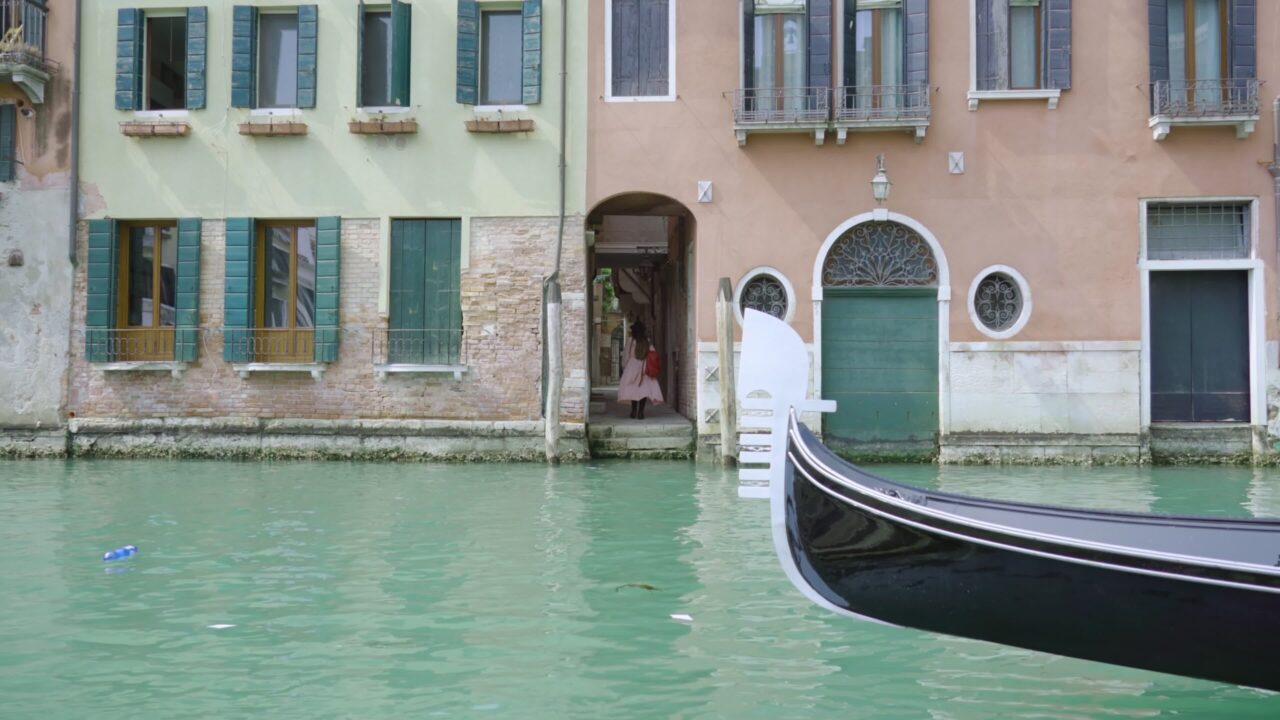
pixel 641 440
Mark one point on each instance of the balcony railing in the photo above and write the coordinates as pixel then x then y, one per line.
pixel 773 106
pixel 419 347
pixel 881 103
pixel 272 345
pixel 1233 97
pixel 131 344
pixel 22 31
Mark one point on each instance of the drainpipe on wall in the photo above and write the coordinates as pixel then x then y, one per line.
pixel 1274 167
pixel 553 379
pixel 74 211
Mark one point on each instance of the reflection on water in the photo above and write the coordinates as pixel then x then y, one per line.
pixel 353 590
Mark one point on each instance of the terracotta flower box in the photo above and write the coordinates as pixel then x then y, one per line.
pixel 499 126
pixel 273 128
pixel 383 127
pixel 163 128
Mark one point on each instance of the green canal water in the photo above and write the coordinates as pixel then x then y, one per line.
pixel 507 591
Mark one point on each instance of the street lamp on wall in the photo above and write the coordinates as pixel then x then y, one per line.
pixel 880 183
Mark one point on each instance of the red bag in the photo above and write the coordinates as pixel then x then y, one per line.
pixel 652 363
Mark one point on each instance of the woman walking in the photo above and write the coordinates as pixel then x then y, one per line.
pixel 636 386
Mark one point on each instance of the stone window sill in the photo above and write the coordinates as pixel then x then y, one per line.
pixel 405 369
pixel 151 128
pixel 383 127
pixel 1162 125
pixel 499 126
pixel 273 129
pixel 244 370
pixel 1052 96
pixel 173 368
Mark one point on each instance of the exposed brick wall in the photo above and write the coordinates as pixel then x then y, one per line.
pixel 501 302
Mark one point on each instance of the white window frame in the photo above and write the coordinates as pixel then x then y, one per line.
pixel 1255 268
pixel 144 114
pixel 1023 288
pixel 774 273
pixel 1052 95
pixel 671 58
pixel 258 110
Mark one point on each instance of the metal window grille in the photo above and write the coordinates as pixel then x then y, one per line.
pixel 766 294
pixel 998 302
pixel 1198 231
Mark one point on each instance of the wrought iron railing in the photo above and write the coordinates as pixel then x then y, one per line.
pixel 271 345
pixel 1200 98
pixel 761 106
pixel 131 344
pixel 872 103
pixel 419 347
pixel 22 32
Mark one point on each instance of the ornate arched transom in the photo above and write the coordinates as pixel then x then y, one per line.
pixel 880 254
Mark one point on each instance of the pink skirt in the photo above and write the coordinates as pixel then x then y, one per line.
pixel 635 385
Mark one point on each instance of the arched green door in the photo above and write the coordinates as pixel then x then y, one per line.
pixel 880 343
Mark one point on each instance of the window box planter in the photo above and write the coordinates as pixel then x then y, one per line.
pixel 159 129
pixel 288 128
pixel 383 127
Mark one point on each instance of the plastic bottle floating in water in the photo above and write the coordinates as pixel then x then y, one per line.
pixel 120 553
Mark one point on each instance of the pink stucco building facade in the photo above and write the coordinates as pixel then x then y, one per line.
pixel 1093 236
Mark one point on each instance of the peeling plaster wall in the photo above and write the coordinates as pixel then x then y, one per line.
pixel 35 297
pixel 35 309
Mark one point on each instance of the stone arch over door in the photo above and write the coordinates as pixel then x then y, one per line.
pixel 881 293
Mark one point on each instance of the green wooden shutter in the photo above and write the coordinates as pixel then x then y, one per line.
pixel 100 299
pixel 1057 43
pixel 244 54
pixel 468 52
pixel 328 242
pixel 917 67
pixel 440 280
pixel 531 12
pixel 748 44
pixel 237 302
pixel 819 44
pixel 8 142
pixel 197 42
pixel 308 27
pixel 186 338
pixel 401 51
pixel 1244 40
pixel 408 292
pixel 129 59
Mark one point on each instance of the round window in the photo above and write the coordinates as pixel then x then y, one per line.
pixel 765 293
pixel 999 302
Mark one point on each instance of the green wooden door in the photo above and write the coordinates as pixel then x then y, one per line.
pixel 880 365
pixel 426 313
pixel 1200 346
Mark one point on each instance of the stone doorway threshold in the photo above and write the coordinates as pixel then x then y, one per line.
pixel 664 433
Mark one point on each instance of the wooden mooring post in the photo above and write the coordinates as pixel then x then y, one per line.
pixel 728 389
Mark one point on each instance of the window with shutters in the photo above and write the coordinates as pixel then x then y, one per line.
pixel 501 49
pixel 640 49
pixel 1022 50
pixel 8 142
pixel 1203 64
pixel 143 285
pixel 160 59
pixel 278 60
pixel 385 56
pixel 425 319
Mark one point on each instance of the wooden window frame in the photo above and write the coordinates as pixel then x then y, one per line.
pixel 298 341
pixel 1039 48
pixel 1189 20
pixel 140 343
pixel 257 59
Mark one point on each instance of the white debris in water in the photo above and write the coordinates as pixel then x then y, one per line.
pixel 681 617
pixel 220 627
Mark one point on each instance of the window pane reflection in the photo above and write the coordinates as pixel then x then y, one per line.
pixel 279 248
pixel 141 259
pixel 306 304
